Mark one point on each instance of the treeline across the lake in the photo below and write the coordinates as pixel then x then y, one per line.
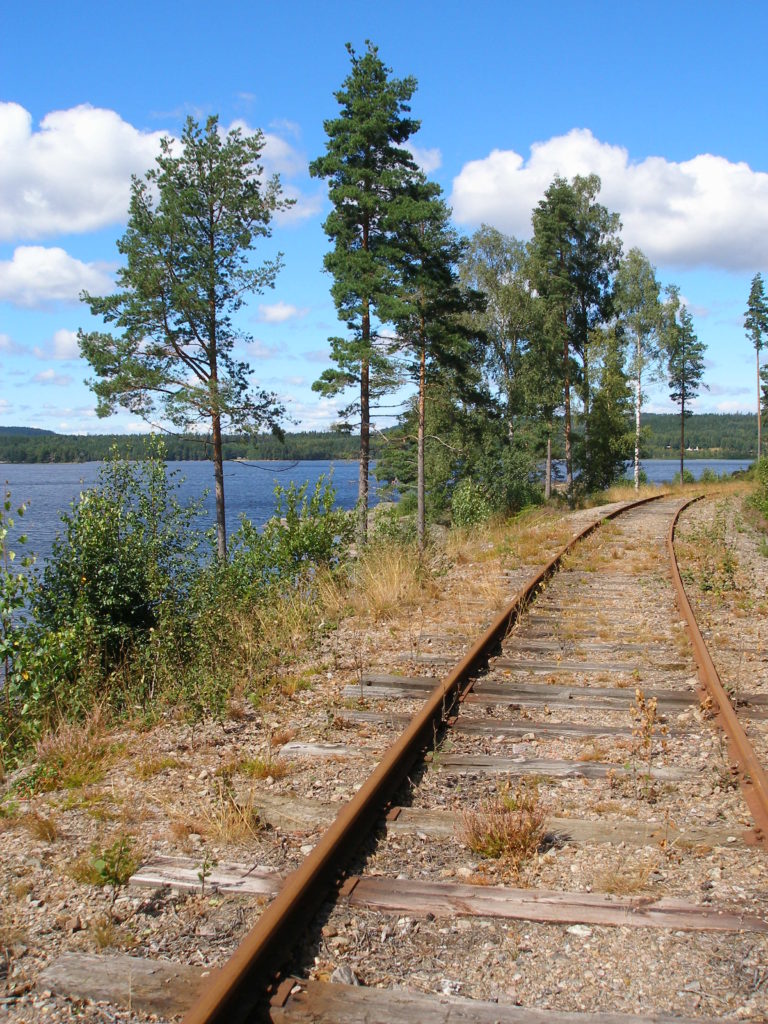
pixel 46 446
pixel 708 435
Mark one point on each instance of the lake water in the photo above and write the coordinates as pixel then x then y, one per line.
pixel 249 487
pixel 248 490
pixel 660 471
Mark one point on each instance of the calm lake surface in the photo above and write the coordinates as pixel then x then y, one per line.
pixel 249 487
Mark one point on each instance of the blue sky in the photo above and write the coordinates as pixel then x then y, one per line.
pixel 663 100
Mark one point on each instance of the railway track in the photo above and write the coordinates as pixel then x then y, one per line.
pixel 578 729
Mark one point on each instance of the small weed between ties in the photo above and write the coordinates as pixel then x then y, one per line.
pixel 509 827
pixel 644 714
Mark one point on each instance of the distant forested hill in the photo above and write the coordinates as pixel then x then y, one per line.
pixel 715 435
pixel 724 436
pixel 25 431
pixel 24 444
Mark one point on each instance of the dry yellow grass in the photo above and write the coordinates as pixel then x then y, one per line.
pixel 624 877
pixel 74 755
pixel 389 579
pixel 40 826
pixel 230 818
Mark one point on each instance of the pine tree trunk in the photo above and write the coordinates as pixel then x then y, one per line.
pixel 365 453
pixel 682 439
pixel 218 475
pixel 637 432
pixel 759 425
pixel 420 496
pixel 548 477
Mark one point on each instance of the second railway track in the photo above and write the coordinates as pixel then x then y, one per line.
pixel 644 895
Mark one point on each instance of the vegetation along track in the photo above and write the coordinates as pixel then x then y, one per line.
pixel 574 847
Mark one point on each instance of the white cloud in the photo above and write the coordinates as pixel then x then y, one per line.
pixel 304 207
pixel 317 415
pixel 733 405
pixel 727 389
pixel 280 312
pixel 278 156
pixel 318 355
pixel 36 276
pixel 428 159
pixel 70 174
pixel 705 211
pixel 62 346
pixel 9 346
pixel 258 349
pixel 65 345
pixel 61 380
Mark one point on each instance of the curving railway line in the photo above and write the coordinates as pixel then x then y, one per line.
pixel 582 699
pixel 568 823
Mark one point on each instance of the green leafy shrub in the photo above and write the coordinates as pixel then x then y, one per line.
pixel 305 533
pixel 760 496
pixel 469 504
pixel 126 556
pixel 688 477
pixel 393 524
pixel 15 591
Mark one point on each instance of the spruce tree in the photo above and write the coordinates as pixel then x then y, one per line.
pixel 430 317
pixel 371 177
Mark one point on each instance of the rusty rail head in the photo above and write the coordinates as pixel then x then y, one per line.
pixel 754 782
pixel 241 986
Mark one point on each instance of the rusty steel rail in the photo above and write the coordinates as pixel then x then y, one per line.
pixel 751 775
pixel 244 984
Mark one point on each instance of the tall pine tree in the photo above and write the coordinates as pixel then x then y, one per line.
pixel 193 223
pixel 371 177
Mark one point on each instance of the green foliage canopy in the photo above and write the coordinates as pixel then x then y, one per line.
pixel 193 222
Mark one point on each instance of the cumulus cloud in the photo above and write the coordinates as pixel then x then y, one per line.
pixel 280 312
pixel 706 211
pixel 258 349
pixel 428 159
pixel 315 415
pixel 61 380
pixel 37 276
pixel 304 207
pixel 317 355
pixel 62 346
pixel 9 346
pixel 71 173
pixel 726 389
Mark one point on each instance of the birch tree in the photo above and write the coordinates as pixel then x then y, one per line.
pixel 756 324
pixel 638 305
